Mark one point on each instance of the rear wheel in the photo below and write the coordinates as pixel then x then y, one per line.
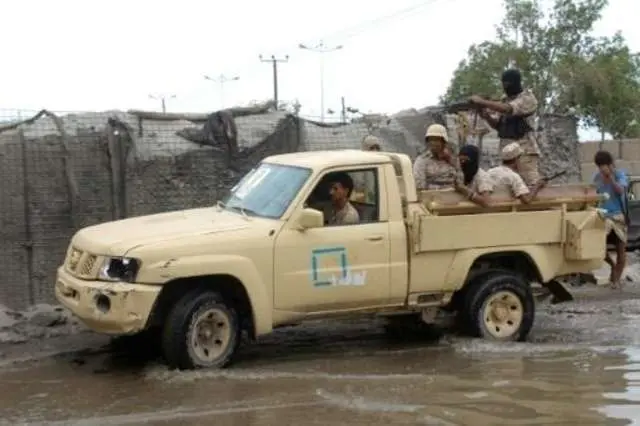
pixel 201 330
pixel 500 306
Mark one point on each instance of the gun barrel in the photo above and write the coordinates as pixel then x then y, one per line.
pixel 458 107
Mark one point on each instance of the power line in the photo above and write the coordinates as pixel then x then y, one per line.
pixel 352 31
pixel 274 62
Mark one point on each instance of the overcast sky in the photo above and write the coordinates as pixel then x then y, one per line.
pixel 70 55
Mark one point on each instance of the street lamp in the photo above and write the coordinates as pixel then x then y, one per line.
pixel 162 99
pixel 221 79
pixel 322 49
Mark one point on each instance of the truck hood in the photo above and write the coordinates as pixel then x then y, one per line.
pixel 118 237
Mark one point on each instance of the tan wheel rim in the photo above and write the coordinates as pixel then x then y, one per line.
pixel 502 314
pixel 210 335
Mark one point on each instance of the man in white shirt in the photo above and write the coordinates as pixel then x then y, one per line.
pixel 506 174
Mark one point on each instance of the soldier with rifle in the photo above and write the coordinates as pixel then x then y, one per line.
pixel 514 121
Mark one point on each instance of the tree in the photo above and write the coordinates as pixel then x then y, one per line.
pixel 604 86
pixel 560 62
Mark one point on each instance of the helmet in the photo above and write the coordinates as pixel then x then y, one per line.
pixel 437 130
pixel 371 141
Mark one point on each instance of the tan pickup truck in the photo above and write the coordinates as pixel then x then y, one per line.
pixel 265 257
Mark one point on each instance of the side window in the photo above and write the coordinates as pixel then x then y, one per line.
pixel 347 197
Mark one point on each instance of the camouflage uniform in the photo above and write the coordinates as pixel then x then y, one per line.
pixel 503 176
pixel 481 182
pixel 348 215
pixel 522 104
pixel 431 173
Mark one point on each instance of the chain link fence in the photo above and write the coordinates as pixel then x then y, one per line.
pixel 66 170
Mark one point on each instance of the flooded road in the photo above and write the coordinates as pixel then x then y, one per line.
pixel 581 366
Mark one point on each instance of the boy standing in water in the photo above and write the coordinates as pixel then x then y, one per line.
pixel 613 182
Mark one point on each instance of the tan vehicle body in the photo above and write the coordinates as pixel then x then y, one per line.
pixel 422 250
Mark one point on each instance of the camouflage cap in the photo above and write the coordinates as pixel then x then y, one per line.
pixel 511 151
pixel 370 142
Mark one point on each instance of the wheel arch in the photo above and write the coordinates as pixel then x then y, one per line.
pixel 230 287
pixel 535 263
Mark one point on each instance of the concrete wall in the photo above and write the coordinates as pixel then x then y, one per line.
pixel 626 152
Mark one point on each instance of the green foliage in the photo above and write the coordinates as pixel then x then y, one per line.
pixel 560 62
pixel 604 85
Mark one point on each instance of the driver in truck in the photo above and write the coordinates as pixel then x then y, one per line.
pixel 343 213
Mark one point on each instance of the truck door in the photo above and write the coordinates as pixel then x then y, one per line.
pixel 336 266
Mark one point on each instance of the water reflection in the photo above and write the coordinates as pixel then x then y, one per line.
pixel 623 403
pixel 355 376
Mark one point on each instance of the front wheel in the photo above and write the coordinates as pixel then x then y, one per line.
pixel 500 307
pixel 201 331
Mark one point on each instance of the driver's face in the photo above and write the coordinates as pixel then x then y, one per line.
pixel 338 192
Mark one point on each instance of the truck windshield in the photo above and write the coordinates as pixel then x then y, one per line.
pixel 267 190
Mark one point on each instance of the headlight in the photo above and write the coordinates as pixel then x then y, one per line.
pixel 119 269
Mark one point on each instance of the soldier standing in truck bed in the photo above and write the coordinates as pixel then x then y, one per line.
pixel 436 168
pixel 515 122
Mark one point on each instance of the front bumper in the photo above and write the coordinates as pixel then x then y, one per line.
pixel 105 307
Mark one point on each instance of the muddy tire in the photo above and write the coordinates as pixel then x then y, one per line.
pixel 201 331
pixel 499 306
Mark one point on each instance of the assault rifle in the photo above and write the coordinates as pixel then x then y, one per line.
pixel 554 176
pixel 462 106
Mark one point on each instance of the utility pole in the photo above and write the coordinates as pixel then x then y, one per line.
pixel 274 62
pixel 221 80
pixel 343 113
pixel 163 100
pixel 321 48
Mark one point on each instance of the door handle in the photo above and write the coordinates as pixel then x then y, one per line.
pixel 375 238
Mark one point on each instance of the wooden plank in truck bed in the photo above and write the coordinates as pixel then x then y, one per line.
pixel 449 202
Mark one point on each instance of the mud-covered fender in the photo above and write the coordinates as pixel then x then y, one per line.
pixel 546 260
pixel 241 268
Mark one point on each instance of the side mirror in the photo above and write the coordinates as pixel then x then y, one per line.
pixel 310 218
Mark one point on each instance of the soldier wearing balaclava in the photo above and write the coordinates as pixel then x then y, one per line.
pixel 515 122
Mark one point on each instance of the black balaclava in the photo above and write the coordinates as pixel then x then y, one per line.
pixel 470 167
pixel 512 82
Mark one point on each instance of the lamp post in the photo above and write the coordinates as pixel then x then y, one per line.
pixel 163 100
pixel 321 48
pixel 221 79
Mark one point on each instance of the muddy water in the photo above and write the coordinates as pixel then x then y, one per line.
pixel 581 367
